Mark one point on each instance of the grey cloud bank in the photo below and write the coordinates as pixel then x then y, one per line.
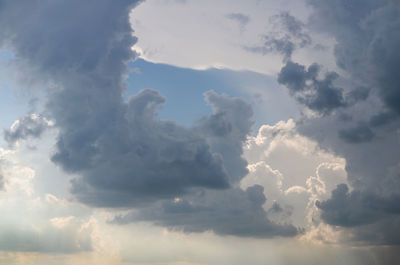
pixel 144 159
pixel 367 41
pixel 229 212
pixel 360 133
pixel 367 50
pixel 125 156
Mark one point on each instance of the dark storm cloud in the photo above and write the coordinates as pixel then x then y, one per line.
pixel 385 232
pixel 373 172
pixel 367 41
pixel 356 208
pixel 382 118
pixel 358 134
pixel 291 35
pixel 230 212
pixel 30 126
pixel 319 95
pixel 141 159
pixel 124 155
pixel 370 217
pixel 358 94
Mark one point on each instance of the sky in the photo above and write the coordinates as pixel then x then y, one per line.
pixel 186 132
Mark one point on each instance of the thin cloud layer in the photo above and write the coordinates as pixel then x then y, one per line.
pixel 290 36
pixel 242 19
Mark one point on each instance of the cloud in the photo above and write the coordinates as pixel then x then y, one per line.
pixel 382 118
pixel 372 170
pixel 30 126
pixel 2 179
pixel 61 235
pixel 313 172
pixel 231 212
pixel 382 232
pixel 290 36
pixel 358 94
pixel 368 138
pixel 30 224
pixel 358 134
pixel 319 95
pixel 371 217
pixel 242 19
pixel 216 37
pixel 365 46
pixel 123 154
pixel 126 156
pixel 226 130
pixel 348 210
pixel 141 159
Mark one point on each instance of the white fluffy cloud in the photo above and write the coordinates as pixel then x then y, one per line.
pixel 293 170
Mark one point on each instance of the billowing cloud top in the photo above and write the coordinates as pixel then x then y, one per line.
pixel 335 169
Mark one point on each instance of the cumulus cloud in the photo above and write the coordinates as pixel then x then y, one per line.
pixel 123 154
pixel 291 191
pixel 142 159
pixel 229 212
